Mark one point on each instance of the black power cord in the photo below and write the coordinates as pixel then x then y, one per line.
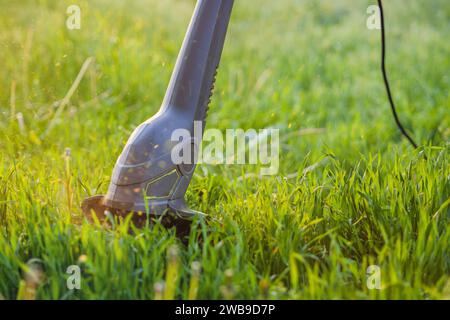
pixel 386 80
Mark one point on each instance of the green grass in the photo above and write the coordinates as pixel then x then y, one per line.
pixel 351 195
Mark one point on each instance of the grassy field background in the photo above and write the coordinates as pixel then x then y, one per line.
pixel 350 192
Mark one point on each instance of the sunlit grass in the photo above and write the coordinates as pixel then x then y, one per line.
pixel 350 192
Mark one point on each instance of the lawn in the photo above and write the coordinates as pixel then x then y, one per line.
pixel 350 193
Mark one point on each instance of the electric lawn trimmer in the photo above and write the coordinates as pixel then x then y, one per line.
pixel 145 181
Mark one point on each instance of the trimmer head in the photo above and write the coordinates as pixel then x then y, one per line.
pixel 171 219
pixel 146 181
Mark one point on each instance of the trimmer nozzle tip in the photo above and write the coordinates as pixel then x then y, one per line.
pixel 94 208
